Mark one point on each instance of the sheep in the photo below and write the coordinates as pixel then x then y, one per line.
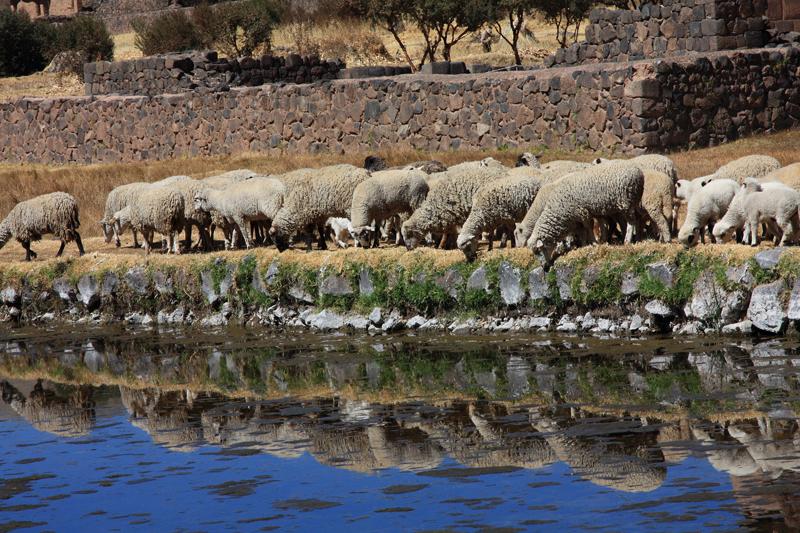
pixel 684 189
pixel 707 206
pixel 55 213
pixel 375 163
pixel 658 163
pixel 499 203
pixel 449 201
pixel 527 159
pixel 756 203
pixel 342 230
pixel 788 175
pixel 159 210
pixel 256 199
pixel 657 202
pixel 564 166
pixel 327 192
pixel 220 181
pixel 749 166
pixel 386 194
pixel 610 190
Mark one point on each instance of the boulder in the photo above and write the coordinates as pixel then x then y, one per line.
pixel 768 259
pixel 335 285
pixel 510 287
pixel 450 282
pixel 663 272
pixel 365 285
pixel 537 285
pixel 89 292
pixel 136 280
pixel 478 279
pixel 326 320
pixel 766 308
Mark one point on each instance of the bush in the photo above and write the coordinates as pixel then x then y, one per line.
pixel 239 28
pixel 171 32
pixel 86 36
pixel 20 44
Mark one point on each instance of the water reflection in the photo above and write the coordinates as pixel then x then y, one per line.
pixel 646 423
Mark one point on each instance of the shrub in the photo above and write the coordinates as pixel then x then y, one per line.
pixel 86 36
pixel 171 32
pixel 238 28
pixel 20 45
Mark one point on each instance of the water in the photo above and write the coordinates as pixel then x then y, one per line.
pixel 116 430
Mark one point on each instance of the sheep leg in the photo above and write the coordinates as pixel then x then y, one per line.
pixel 61 248
pixel 187 242
pixel 662 226
pixel 29 254
pixel 309 238
pixel 629 231
pixel 753 232
pixel 376 234
pixel 78 241
pixel 321 243
pixel 135 239
pixel 491 240
pixel 241 225
pixel 786 229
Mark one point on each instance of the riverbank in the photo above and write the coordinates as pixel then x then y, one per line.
pixel 604 290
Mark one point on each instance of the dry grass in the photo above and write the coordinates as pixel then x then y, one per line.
pixel 41 84
pixel 124 48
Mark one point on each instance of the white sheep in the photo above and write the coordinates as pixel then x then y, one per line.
pixel 242 203
pixel 610 191
pixel 756 203
pixel 449 201
pixel 564 166
pixel 220 181
pixel 157 210
pixel 342 230
pixel 788 175
pixel 55 213
pixel 499 204
pixel 326 192
pixel 386 194
pixel 707 205
pixel 749 166
pixel 655 162
pixel 657 202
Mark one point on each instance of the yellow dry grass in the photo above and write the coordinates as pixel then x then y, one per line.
pixel 124 47
pixel 41 84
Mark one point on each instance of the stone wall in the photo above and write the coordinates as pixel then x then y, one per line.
pixel 636 107
pixel 784 15
pixel 201 70
pixel 672 27
pixel 710 100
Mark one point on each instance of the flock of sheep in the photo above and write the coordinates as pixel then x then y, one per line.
pixel 550 208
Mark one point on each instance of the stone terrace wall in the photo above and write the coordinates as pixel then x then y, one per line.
pixel 204 70
pixel 673 27
pixel 708 101
pixel 672 103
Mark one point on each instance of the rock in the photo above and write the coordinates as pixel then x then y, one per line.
pixel 416 321
pixel 630 284
pixel 450 282
pixel 741 275
pixel 326 320
pixel 663 272
pixel 299 294
pixel 460 327
pixel 636 323
pixel 537 285
pixel 567 327
pixel 65 62
pixel 478 280
pixel 658 308
pixel 793 313
pixel 214 321
pixel 207 286
pixel 518 372
pixel 163 283
pixel 604 325
pixel 691 328
pixel 510 288
pixel 707 298
pixel 768 259
pixel 376 316
pixel 506 325
pixel 433 324
pixel 766 309
pixel 564 275
pixel 10 296
pixel 110 282
pixel 63 289
pixel 365 285
pixel 272 272
pixel 89 292
pixel 335 285
pixel 540 322
pixel 745 326
pixel 393 322
pixel 136 280
pixel 357 322
pixel 588 321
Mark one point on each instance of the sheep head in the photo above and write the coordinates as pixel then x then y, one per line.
pixel 201 203
pixel 281 229
pixel 468 244
pixel 723 231
pixel 362 234
pixel 411 236
pixel 689 236
pixel 544 252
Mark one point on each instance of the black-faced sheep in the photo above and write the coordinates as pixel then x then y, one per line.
pixel 55 213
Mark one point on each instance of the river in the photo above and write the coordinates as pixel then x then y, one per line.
pixel 120 429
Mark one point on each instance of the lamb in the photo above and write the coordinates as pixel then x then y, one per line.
pixel 449 201
pixel 610 190
pixel 342 230
pixel 386 194
pixel 257 199
pixel 328 192
pixel 55 213
pixel 161 210
pixel 707 206
pixel 499 203
pixel 684 189
pixel 756 203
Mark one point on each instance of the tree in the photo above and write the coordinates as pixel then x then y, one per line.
pixel 20 44
pixel 238 29
pixel 446 22
pixel 565 14
pixel 514 12
pixel 390 15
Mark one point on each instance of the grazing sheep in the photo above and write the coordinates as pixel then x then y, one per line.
pixel 658 163
pixel 612 190
pixel 386 194
pixel 159 210
pixel 788 175
pixel 756 203
pixel 55 213
pixel 449 201
pixel 707 206
pixel 328 192
pixel 684 189
pixel 527 159
pixel 749 166
pixel 220 181
pixel 564 166
pixel 499 203
pixel 342 231
pixel 657 202
pixel 257 199
pixel 375 163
